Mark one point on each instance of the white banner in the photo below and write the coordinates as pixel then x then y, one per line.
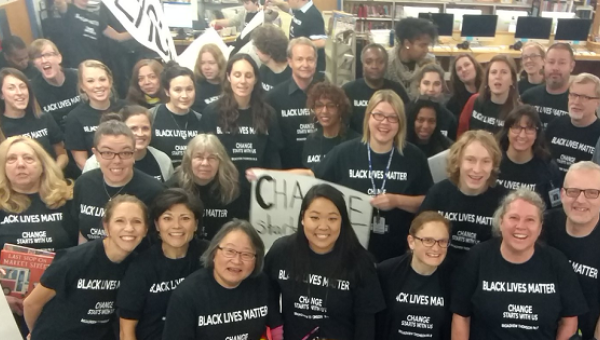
pixel 144 20
pixel 210 36
pixel 277 198
pixel 8 326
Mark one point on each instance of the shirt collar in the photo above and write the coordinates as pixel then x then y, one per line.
pixel 306 6
pixel 293 87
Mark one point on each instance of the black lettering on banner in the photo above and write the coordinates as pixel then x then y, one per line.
pixel 352 209
pixel 156 31
pixel 295 195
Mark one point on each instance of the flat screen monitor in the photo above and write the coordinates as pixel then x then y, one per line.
pixel 533 28
pixel 483 26
pixel 443 21
pixel 573 29
pixel 178 14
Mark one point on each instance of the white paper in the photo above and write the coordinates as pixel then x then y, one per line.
pixel 258 20
pixel 8 326
pixel 210 36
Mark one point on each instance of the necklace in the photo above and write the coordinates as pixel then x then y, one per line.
pixel 171 114
pixel 107 194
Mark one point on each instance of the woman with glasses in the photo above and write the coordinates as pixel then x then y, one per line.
pixel 235 299
pixel 526 160
pixel 423 127
pixel 423 272
pixel 383 165
pixel 512 287
pixel 327 280
pixel 532 61
pixel 114 148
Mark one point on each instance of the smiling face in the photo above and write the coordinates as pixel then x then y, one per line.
pixel 429 256
pixel 230 272
pixel 465 69
pixel 521 226
pixel 242 78
pixel 148 81
pixel 126 227
pixel 581 210
pixel 181 93
pixel 322 223
pixel 15 93
pixel 48 62
pixel 303 61
pixel 142 130
pixel 558 66
pixel 96 84
pixel 209 66
pixel 176 226
pixel 532 60
pixel 431 84
pixel 425 123
pixel 327 112
pixel 475 169
pixel 383 131
pixel 116 171
pixel 23 168
pixel 522 135
pixel 499 78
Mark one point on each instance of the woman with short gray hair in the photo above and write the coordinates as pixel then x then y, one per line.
pixel 511 287
pixel 230 297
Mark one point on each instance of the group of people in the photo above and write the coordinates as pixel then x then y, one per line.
pixel 145 199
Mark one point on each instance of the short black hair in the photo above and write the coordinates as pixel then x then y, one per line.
pixel 171 71
pixel 559 46
pixel 413 28
pixel 173 196
pixel 11 43
pixel 375 46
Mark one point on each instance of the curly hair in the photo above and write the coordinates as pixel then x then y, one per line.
pixel 215 51
pixel 135 93
pixel 271 40
pixel 334 93
pixel 413 28
pixel 457 149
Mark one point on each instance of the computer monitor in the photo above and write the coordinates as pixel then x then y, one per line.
pixel 443 21
pixel 533 28
pixel 459 13
pixel 572 29
pixel 178 14
pixel 479 26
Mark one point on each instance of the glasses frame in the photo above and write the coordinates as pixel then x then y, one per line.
pixel 391 119
pixel 590 194
pixel 422 239
pixel 127 154
pixel 234 253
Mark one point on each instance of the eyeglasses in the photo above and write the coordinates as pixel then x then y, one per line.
pixel 378 116
pixel 108 155
pixel 430 242
pixel 232 253
pixel 329 106
pixel 588 193
pixel 584 98
pixel 210 158
pixel 45 55
pixel 529 130
pixel 530 56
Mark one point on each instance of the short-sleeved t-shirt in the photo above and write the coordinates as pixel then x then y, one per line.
pixel 43 129
pixel 330 303
pixel 584 255
pixel 359 93
pixel 85 30
pixel 486 116
pixel 523 85
pixel 457 102
pixel 270 79
pixel 549 106
pixel 348 165
pixel 149 165
pixel 317 146
pixel 470 216
pixel 39 226
pixel 86 282
pixel 515 301
pixel 148 284
pixel 570 144
pixel 82 123
pixel 91 194
pixel 57 100
pixel 172 132
pixel 201 308
pixel 309 23
pixel 206 93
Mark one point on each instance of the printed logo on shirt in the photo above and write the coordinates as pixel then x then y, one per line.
pixel 584 270
pixel 466 217
pixel 487 120
pixel 185 134
pixel 238 337
pixel 165 286
pixel 550 111
pixel 61 104
pixel 513 185
pixel 573 144
pixel 36 134
pixel 98 284
pixel 361 103
pixel 215 213
pixel 90 210
pixel 232 317
pixel 89 32
pixel 43 218
pixel 520 312
pixel 521 288
pixel 179 150
pixel 305 129
pixel 89 129
pixel 378 174
pixel 313 159
pixel 297 21
pixel 242 130
pixel 86 20
pixel 423 300
pixel 318 280
pixel 211 99
pixel 295 112
pixel 34 237
pixel 267 87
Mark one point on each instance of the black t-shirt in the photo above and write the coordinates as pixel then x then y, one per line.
pixel 43 129
pixel 515 301
pixel 538 175
pixel 57 100
pixel 347 164
pixel 149 166
pixel 359 93
pixel 91 194
pixel 85 31
pixel 289 102
pixel 271 79
pixel 486 116
pixel 310 24
pixel 82 123
pixel 206 93
pixel 570 144
pixel 317 146
pixel 39 226
pixel 30 71
pixel 457 102
pixel 148 284
pixel 445 121
pixel 584 255
pixel 524 85
pixel 331 303
pixel 201 308
pixel 549 106
pixel 418 306
pixel 86 283
pixel 216 213
pixel 171 132
pixel 470 216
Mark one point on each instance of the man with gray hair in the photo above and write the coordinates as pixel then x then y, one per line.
pixel 573 138
pixel 574 231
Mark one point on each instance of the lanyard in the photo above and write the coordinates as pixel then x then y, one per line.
pixel 385 174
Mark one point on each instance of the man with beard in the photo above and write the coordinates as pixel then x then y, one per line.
pixel 551 99
pixel 374 60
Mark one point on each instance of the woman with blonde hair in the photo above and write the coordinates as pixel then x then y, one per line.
pixel 96 88
pixel 145 88
pixel 210 74
pixel 382 164
pixel 207 171
pixel 532 62
pixel 469 196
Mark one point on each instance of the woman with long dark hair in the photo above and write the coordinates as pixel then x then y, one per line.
pixel 327 280
pixel 466 77
pixel 145 88
pixel 423 128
